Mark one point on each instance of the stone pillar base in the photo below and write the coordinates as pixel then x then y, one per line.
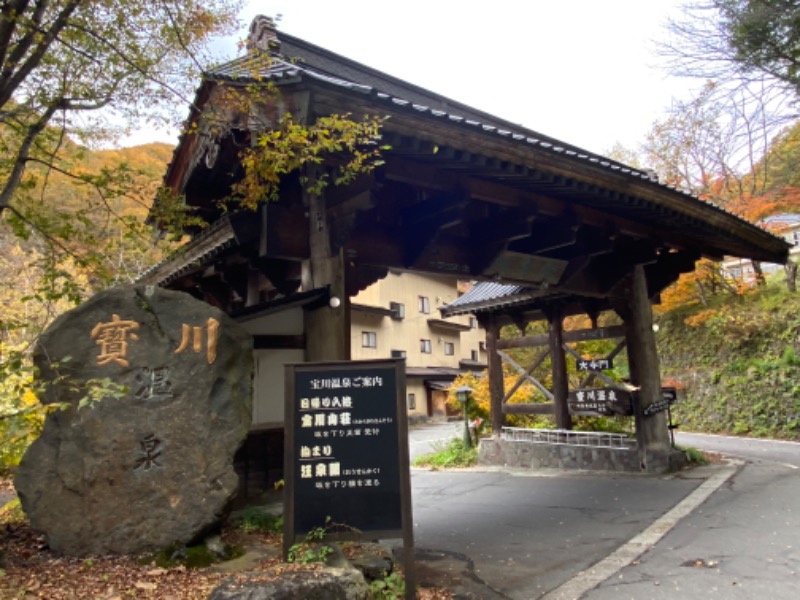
pixel 663 461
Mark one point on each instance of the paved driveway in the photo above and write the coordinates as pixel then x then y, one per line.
pixel 497 534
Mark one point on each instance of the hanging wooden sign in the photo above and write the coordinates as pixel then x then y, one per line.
pixel 669 396
pixel 600 402
pixel 594 365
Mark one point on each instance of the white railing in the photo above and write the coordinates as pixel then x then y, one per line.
pixel 565 437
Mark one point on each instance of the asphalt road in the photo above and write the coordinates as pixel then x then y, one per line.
pixel 743 542
pixel 730 530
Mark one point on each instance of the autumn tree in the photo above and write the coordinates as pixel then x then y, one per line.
pixel 740 44
pixel 86 68
pixel 76 74
pixel 73 73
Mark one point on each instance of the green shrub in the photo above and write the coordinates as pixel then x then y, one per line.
pixel 448 455
pixel 254 519
pixel 391 587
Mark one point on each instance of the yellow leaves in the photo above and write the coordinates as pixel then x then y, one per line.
pixel 346 147
pixel 29 398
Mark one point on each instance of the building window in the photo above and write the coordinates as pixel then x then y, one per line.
pixel 482 346
pixel 398 353
pixel 398 310
pixel 425 346
pixel 473 323
pixel 449 348
pixel 424 305
pixel 369 339
pixel 412 401
pixel 473 355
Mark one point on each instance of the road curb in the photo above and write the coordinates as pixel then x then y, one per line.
pixel 638 545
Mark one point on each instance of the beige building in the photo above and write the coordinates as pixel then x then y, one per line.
pixel 398 316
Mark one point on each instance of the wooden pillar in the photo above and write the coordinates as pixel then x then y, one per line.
pixel 495 369
pixel 652 435
pixel 555 319
pixel 327 328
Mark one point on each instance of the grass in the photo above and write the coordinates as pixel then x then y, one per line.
pixel 451 454
pixel 693 455
pixel 255 519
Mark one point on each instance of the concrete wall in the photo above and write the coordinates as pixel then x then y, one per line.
pixel 530 455
pixel 268 379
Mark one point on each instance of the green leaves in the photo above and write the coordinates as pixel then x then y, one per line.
pixel 765 35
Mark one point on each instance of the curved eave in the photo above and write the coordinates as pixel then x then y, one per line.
pixel 612 186
pixel 197 252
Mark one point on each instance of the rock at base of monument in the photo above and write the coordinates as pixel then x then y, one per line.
pixel 372 559
pixel 301 584
pixel 149 463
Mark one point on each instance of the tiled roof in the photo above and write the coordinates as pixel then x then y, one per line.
pixel 204 246
pixel 299 59
pixel 327 67
pixel 302 61
pixel 488 294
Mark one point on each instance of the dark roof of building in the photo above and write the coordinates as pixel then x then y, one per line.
pixel 298 60
pixel 489 295
pixel 203 247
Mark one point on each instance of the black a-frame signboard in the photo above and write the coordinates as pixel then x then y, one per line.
pixel 346 458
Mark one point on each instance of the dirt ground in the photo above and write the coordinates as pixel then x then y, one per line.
pixel 30 570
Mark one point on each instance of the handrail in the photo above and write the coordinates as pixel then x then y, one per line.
pixel 566 437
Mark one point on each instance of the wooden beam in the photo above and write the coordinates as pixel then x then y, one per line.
pixel 495 372
pixel 279 342
pixel 577 335
pixel 530 408
pixel 328 326
pixel 651 431
pixel 525 374
pixel 526 267
pixel 547 235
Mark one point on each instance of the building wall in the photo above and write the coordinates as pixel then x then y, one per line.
pixel 268 379
pixel 406 334
pixel 389 334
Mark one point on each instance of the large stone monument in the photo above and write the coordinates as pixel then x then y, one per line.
pixel 147 460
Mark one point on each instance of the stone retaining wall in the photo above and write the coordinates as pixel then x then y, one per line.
pixel 534 455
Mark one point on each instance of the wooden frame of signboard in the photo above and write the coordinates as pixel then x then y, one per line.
pixel 346 462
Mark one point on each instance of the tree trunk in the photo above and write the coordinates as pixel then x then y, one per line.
pixel 791 275
pixel 760 279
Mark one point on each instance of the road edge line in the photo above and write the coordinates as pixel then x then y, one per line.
pixel 590 578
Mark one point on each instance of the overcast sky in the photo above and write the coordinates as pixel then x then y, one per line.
pixel 582 71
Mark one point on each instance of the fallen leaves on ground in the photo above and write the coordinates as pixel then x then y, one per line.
pixel 30 571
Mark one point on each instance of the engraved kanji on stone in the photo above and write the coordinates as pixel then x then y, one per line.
pixel 112 337
pixel 150 452
pixel 194 335
pixel 154 384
